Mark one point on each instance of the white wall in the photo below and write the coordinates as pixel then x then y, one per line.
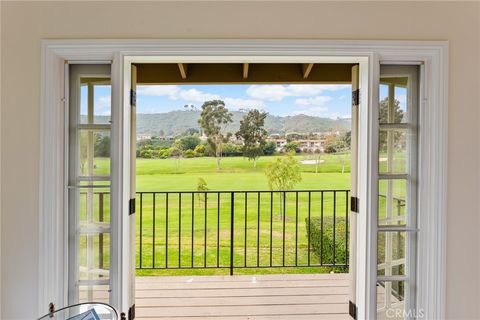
pixel 24 24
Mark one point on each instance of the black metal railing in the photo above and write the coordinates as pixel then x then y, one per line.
pixel 242 229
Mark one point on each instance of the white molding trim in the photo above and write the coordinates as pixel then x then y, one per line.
pixel 432 143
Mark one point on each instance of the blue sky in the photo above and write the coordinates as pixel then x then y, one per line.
pixel 329 101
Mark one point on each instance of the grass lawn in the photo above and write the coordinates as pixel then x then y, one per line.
pixel 253 220
pixel 237 173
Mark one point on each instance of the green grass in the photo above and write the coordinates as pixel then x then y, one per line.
pixel 237 174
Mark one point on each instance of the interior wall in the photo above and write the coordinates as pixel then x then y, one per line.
pixel 24 24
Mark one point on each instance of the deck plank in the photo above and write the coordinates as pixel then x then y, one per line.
pixel 265 297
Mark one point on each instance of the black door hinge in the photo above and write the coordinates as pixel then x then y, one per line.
pixel 133 97
pixel 131 312
pixel 352 309
pixel 131 206
pixel 354 204
pixel 356 97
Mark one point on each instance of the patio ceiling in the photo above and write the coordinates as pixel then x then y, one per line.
pixel 243 73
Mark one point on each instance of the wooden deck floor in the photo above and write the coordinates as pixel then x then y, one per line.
pixel 279 297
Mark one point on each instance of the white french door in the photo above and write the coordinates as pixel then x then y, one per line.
pixel 90 167
pixel 397 192
pixel 89 182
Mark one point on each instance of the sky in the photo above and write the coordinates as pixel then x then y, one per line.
pixel 328 101
pixel 331 101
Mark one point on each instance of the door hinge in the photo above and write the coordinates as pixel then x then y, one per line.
pixel 352 309
pixel 131 312
pixel 354 204
pixel 131 206
pixel 356 97
pixel 133 97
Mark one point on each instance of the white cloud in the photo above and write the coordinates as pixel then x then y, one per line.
pixel 314 101
pixel 278 92
pixel 102 105
pixel 312 111
pixel 402 98
pixel 238 103
pixel 175 93
pixel 163 90
pixel 267 92
pixel 194 95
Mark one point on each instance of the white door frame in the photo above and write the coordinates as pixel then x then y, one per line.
pixel 432 148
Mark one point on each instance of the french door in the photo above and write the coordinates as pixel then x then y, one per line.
pixel 90 165
pixel 89 182
pixel 397 192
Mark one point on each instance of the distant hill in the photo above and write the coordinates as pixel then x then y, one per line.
pixel 177 122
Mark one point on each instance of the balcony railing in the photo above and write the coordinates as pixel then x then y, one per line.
pixel 242 229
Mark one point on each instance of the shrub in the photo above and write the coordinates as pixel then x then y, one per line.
pixel 189 153
pixel 269 148
pixel 200 150
pixel 322 243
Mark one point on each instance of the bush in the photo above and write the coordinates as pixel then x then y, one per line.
pixel 269 148
pixel 189 153
pixel 324 240
pixel 200 150
pixel 232 150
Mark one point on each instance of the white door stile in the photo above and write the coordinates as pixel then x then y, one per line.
pixel 353 189
pixel 117 184
pixel 367 188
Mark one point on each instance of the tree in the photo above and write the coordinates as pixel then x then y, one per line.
pixel 253 134
pixel 102 145
pixel 213 119
pixel 269 148
pixel 199 150
pixel 190 142
pixel 383 117
pixel 283 174
pixel 201 186
pixel 292 146
pixel 176 151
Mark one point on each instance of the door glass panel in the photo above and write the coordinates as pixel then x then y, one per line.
pixel 95 93
pixel 393 100
pixel 97 293
pixel 391 253
pixel 392 202
pixel 94 153
pixel 89 183
pixel 391 300
pixel 392 149
pixel 397 152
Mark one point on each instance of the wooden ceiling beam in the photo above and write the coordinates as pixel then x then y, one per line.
pixel 245 70
pixel 183 67
pixel 306 69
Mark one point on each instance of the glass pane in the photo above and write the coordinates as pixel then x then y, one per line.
pixel 391 300
pixel 94 256
pixel 95 100
pixel 391 253
pixel 94 293
pixel 393 153
pixel 94 206
pixel 94 153
pixel 392 202
pixel 393 100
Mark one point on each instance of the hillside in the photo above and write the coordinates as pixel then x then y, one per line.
pixel 176 122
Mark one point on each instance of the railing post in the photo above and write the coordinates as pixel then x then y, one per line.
pixel 100 236
pixel 232 228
